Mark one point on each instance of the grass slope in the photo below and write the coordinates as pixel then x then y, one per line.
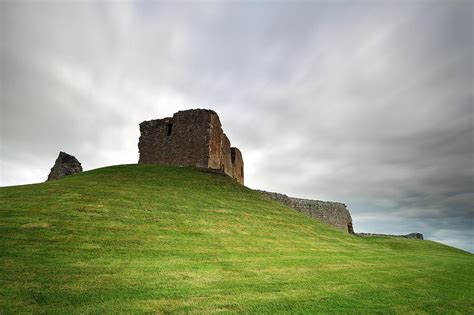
pixel 164 239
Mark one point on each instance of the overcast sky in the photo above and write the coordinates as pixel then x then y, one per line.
pixel 369 103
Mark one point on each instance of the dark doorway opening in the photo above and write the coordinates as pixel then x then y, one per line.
pixel 169 128
pixel 350 229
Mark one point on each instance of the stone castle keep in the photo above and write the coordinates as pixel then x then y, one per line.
pixel 190 138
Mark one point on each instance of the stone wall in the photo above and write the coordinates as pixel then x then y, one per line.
pixel 333 213
pixel 237 164
pixel 417 236
pixel 179 140
pixel 219 144
pixel 189 138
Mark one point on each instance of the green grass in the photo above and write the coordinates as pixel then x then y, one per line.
pixel 143 238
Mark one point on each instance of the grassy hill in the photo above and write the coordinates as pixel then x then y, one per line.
pixel 165 239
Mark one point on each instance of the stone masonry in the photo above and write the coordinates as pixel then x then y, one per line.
pixel 417 236
pixel 65 165
pixel 190 138
pixel 333 213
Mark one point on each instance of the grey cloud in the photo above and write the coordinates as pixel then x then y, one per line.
pixel 366 103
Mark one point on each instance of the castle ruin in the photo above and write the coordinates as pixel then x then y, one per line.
pixel 190 138
pixel 332 213
pixel 195 138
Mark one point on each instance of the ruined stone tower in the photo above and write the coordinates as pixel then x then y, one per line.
pixel 190 138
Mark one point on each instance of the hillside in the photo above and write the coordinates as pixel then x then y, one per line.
pixel 166 239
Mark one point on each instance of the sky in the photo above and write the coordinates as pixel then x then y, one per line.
pixel 369 103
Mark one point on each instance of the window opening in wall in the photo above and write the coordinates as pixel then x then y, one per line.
pixel 169 128
pixel 232 155
pixel 242 171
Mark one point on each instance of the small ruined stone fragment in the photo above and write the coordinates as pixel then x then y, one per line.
pixel 417 236
pixel 65 165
